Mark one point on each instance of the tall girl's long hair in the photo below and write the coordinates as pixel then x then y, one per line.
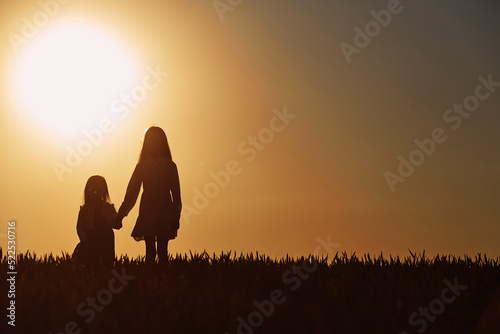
pixel 155 144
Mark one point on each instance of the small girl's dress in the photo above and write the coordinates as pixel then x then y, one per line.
pixel 95 229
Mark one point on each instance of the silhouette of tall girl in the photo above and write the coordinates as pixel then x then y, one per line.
pixel 160 206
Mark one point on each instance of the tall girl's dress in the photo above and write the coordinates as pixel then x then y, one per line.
pixel 160 205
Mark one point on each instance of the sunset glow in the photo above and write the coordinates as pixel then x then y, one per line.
pixel 290 123
pixel 68 76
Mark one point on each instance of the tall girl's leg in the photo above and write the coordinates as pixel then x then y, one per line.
pixel 150 249
pixel 162 250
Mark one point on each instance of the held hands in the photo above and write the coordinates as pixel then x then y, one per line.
pixel 117 224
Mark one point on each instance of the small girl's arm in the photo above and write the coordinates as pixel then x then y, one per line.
pixel 110 215
pixel 80 227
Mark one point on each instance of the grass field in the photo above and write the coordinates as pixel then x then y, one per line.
pixel 252 293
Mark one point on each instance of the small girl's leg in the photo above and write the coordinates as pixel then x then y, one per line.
pixel 150 249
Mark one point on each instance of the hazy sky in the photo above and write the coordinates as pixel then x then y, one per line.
pixel 311 117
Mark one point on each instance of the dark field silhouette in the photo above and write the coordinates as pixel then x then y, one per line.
pixel 252 293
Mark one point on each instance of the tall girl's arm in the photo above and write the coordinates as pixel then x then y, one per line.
pixel 133 189
pixel 176 190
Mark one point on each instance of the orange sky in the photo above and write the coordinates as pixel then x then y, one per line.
pixel 231 84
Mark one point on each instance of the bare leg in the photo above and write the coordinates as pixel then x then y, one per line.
pixel 162 250
pixel 150 249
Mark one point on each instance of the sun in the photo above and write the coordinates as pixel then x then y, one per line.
pixel 67 77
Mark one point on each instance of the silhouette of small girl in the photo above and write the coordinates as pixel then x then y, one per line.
pixel 160 206
pixel 95 223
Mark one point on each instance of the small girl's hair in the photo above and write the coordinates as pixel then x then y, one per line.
pixel 155 136
pixel 96 182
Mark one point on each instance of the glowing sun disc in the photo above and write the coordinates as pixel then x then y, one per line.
pixel 68 76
